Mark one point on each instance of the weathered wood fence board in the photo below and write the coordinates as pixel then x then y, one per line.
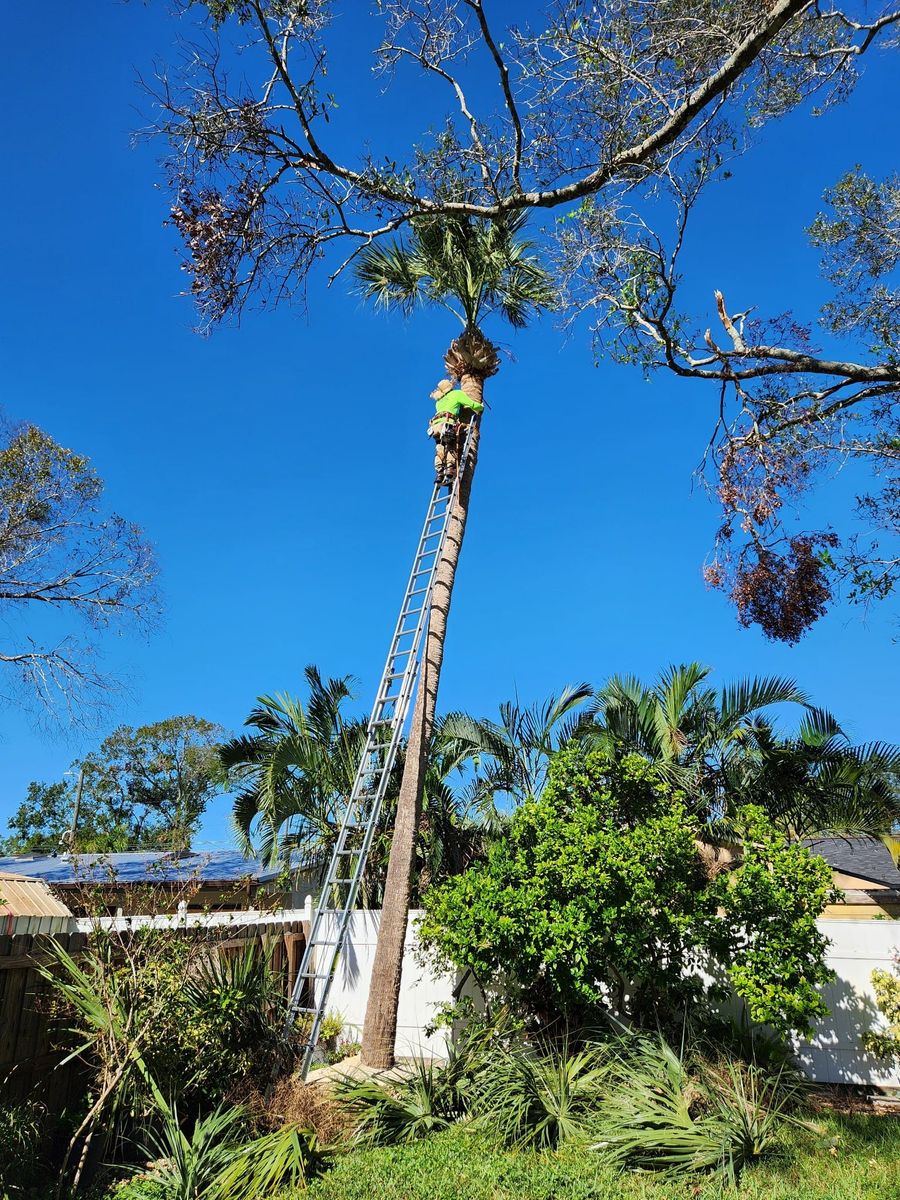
pixel 30 1055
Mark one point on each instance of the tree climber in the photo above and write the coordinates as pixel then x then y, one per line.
pixel 453 410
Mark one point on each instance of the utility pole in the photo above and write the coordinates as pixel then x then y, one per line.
pixel 68 838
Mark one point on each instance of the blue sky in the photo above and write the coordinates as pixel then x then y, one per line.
pixel 284 514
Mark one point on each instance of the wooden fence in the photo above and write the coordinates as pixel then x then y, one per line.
pixel 30 1054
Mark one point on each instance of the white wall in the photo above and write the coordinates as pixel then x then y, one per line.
pixel 834 1055
pixel 422 992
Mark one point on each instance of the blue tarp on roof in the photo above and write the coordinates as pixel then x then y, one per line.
pixel 139 866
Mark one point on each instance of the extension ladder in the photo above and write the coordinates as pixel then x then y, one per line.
pixel 337 899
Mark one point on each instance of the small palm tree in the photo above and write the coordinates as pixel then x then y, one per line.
pixel 511 756
pixel 817 782
pixel 295 769
pixel 476 269
pixel 724 750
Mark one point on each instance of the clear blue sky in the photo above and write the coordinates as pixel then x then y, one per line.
pixel 284 516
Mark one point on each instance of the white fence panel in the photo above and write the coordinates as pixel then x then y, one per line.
pixel 422 992
pixel 835 1053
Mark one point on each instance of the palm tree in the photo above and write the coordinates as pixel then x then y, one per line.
pixel 295 769
pixel 724 750
pixel 682 723
pixel 511 756
pixel 817 783
pixel 474 269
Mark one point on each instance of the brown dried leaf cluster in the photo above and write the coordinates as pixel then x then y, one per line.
pixel 784 593
pixel 217 232
pixel 776 581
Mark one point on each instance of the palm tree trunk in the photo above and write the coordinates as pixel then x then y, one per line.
pixel 380 1028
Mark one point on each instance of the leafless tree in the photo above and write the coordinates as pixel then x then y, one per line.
pixel 788 415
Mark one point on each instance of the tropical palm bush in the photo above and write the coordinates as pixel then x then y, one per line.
pixel 296 768
pixel 429 1099
pixel 541 1096
pixel 216 1159
pixel 191 1163
pixel 661 1115
pixel 723 749
pixel 511 756
pixel 225 1024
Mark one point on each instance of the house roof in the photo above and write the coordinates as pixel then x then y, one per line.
pixel 21 897
pixel 140 866
pixel 865 857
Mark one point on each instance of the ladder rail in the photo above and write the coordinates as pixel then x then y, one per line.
pixel 364 803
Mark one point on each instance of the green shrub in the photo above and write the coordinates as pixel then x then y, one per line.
pixel 343 1049
pixel 887 994
pixel 598 898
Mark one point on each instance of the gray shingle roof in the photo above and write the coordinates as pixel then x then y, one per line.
pixel 867 858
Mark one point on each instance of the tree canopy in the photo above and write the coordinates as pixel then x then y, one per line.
pixel 143 789
pixel 68 570
pixel 610 117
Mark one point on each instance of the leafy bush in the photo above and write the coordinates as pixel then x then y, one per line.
pixel 540 1099
pixel 343 1049
pixel 767 935
pixel 153 1014
pixel 887 994
pixel 598 898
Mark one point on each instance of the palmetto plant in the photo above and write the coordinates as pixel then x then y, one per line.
pixel 424 1102
pixel 683 722
pixel 476 269
pixel 541 1097
pixel 664 1113
pixel 214 1159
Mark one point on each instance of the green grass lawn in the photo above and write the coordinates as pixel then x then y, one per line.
pixel 864 1164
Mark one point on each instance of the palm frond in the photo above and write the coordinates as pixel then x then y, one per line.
pixel 482 265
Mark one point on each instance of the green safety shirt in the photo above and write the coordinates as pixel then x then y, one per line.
pixel 454 402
